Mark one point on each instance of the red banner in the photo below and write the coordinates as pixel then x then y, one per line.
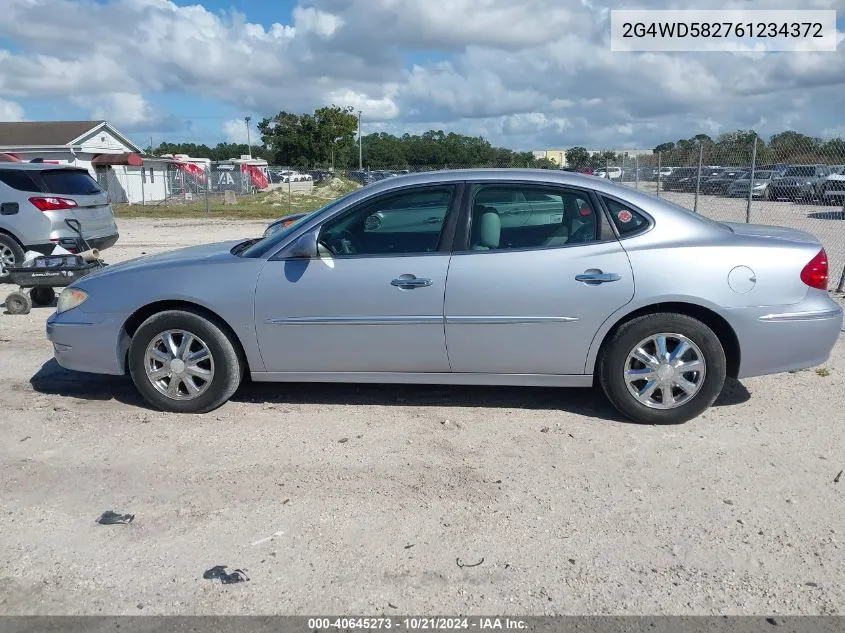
pixel 192 169
pixel 259 179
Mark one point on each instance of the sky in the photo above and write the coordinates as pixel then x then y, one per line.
pixel 526 74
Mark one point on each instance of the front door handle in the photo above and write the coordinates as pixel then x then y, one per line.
pixel 406 282
pixel 597 277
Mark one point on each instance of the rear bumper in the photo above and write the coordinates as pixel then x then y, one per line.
pixel 70 243
pixel 93 343
pixel 786 338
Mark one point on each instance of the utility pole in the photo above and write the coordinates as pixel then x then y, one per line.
pixel 248 143
pixel 360 153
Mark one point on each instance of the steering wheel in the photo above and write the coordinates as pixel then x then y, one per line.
pixel 339 243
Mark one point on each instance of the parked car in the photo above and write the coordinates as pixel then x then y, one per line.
pixel 720 184
pixel 554 279
pixel 35 201
pixel 611 173
pixel 833 188
pixel 320 175
pixel 800 183
pixel 662 173
pixel 681 179
pixel 762 182
pixel 287 175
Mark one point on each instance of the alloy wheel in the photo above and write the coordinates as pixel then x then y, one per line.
pixel 179 364
pixel 664 371
pixel 7 260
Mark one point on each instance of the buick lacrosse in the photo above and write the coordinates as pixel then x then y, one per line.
pixel 493 277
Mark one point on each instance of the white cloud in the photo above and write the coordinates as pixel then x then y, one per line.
pixel 312 20
pixel 234 131
pixel 535 73
pixel 11 111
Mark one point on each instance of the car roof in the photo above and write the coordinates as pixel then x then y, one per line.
pixel 38 166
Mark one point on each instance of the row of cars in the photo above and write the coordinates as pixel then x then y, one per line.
pixel 795 183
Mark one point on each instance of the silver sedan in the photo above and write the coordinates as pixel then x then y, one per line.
pixel 495 277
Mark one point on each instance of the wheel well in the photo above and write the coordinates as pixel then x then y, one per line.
pixel 5 232
pixel 722 329
pixel 142 314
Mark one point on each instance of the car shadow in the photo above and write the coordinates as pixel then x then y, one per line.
pixel 53 379
pixel 833 214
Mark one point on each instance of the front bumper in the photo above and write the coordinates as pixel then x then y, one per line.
pixel 786 338
pixel 791 192
pixel 95 343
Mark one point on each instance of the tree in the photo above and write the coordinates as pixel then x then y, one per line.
pixel 308 140
pixel 791 146
pixel 577 157
pixel 664 147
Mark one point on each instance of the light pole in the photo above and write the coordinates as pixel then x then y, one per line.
pixel 360 154
pixel 333 144
pixel 248 143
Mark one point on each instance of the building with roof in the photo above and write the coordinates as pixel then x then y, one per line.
pixel 117 163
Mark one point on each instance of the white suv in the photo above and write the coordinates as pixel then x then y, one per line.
pixel 35 201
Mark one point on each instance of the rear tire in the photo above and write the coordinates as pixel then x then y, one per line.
pixel 18 303
pixel 11 254
pixel 617 366
pixel 165 374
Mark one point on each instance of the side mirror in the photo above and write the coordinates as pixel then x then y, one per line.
pixel 305 246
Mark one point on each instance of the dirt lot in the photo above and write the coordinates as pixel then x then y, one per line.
pixel 368 499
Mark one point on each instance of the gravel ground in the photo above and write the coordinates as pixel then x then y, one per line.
pixel 368 499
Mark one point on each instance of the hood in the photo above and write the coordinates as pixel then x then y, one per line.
pixel 204 252
pixel 773 232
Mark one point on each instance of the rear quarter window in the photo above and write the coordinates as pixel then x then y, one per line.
pixel 626 220
pixel 69 182
pixel 18 179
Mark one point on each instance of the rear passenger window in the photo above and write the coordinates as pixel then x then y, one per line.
pixel 521 216
pixel 69 182
pixel 18 179
pixel 626 220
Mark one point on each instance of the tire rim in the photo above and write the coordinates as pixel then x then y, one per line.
pixel 179 365
pixel 7 259
pixel 664 371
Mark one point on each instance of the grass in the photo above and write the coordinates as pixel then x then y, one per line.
pixel 823 372
pixel 260 206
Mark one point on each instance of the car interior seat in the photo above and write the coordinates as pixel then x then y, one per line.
pixel 486 229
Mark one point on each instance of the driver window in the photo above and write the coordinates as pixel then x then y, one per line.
pixel 400 224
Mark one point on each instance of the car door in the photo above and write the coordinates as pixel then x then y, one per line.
pixel 373 300
pixel 529 299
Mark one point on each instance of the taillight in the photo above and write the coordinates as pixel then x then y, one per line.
pixel 53 204
pixel 814 274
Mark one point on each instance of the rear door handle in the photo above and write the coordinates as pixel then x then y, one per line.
pixel 597 277
pixel 406 282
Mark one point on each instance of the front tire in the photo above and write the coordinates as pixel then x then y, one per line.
pixel 182 362
pixel 663 368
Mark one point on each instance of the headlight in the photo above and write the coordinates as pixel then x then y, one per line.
pixel 69 299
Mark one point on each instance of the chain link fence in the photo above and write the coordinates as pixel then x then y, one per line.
pixel 799 188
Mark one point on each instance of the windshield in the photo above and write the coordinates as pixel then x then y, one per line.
pixel 762 175
pixel 264 245
pixel 800 171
